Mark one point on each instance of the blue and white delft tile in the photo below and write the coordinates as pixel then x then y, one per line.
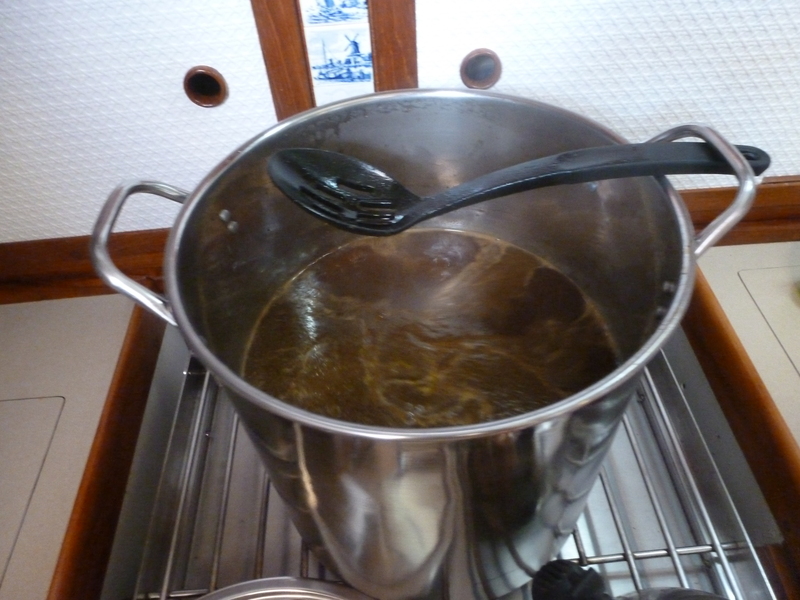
pixel 316 12
pixel 340 57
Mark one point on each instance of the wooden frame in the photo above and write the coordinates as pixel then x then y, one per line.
pixel 774 217
pixel 280 32
pixel 393 31
pixel 61 267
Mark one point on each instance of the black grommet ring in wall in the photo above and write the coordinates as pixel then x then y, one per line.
pixel 481 69
pixel 205 86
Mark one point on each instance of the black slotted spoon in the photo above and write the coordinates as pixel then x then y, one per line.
pixel 358 197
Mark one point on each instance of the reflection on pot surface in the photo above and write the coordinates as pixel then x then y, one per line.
pixel 429 328
pixel 475 519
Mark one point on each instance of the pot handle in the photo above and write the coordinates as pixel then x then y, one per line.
pixel 101 259
pixel 745 195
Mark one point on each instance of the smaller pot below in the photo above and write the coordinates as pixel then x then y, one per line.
pixel 286 588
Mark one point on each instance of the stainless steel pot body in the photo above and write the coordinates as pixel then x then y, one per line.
pixel 469 511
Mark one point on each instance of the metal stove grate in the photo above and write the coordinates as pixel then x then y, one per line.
pixel 660 515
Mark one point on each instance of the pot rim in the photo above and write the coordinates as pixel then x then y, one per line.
pixel 629 369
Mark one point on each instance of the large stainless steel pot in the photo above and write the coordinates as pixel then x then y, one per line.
pixel 472 511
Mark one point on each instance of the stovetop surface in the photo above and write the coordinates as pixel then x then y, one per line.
pixel 661 514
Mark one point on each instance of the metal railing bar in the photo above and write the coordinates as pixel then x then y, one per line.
pixel 735 513
pixel 655 502
pixel 303 560
pixel 188 386
pixel 578 539
pixel 186 477
pixel 623 536
pixel 661 553
pixel 262 529
pixel 176 595
pixel 226 492
pixel 699 506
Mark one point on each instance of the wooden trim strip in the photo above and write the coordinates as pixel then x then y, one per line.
pixel 280 32
pixel 393 31
pixel 775 216
pixel 62 268
pixel 768 444
pixel 87 545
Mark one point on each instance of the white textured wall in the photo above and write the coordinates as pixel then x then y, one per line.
pixel 91 94
pixel 91 90
pixel 637 66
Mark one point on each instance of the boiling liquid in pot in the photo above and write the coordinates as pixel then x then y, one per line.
pixel 428 328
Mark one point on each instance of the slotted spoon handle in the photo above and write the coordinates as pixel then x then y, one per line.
pixel 592 164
